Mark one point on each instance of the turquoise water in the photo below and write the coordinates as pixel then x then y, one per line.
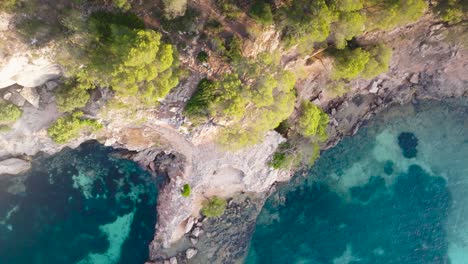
pixel 394 193
pixel 79 206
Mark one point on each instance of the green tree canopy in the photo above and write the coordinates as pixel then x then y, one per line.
pixel 350 63
pixel 312 122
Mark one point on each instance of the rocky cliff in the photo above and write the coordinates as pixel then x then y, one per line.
pixel 429 61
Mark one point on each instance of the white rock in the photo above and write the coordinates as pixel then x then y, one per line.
pixel 7 96
pixel 31 95
pixel 191 252
pixel 193 240
pixel 173 260
pixel 14 166
pixel 197 231
pixel 189 225
pixel 414 78
pixel 374 88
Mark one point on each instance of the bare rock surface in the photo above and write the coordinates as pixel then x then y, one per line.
pixel 14 166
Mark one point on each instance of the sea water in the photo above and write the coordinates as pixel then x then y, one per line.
pixel 397 192
pixel 80 206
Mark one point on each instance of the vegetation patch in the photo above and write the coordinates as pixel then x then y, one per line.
pixel 214 207
pixel 69 127
pixel 186 190
pixel 9 113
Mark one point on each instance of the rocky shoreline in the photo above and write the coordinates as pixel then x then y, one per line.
pixel 427 64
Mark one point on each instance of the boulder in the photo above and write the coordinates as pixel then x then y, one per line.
pixel 31 95
pixel 14 166
pixel 189 225
pixel 196 231
pixel 414 78
pixel 173 260
pixel 191 252
pixel 17 99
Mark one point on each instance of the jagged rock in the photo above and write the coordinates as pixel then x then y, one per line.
pixel 190 253
pixel 17 99
pixel 22 70
pixel 189 225
pixel 414 78
pixel 375 87
pixel 193 240
pixel 14 166
pixel 173 260
pixel 51 85
pixel 197 231
pixel 31 95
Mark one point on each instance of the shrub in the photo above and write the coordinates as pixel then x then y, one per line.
pixel 349 64
pixel 452 11
pixel 261 12
pixel 214 207
pixel 378 63
pixel 184 23
pixel 312 122
pixel 72 96
pixel 9 113
pixel 387 14
pixel 175 8
pixel 122 4
pixel 202 57
pixel 7 5
pixel 229 9
pixel 69 127
pixel 186 190
pixel 233 48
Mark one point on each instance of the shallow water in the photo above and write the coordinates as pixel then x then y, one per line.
pixel 394 193
pixel 79 206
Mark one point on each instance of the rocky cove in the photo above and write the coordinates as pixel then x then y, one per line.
pixel 428 63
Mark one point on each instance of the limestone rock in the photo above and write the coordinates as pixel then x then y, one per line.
pixel 31 95
pixel 17 99
pixel 197 231
pixel 414 78
pixel 14 166
pixel 173 260
pixel 21 70
pixel 51 85
pixel 191 252
pixel 189 225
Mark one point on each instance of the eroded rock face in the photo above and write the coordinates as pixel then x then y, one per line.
pixel 14 166
pixel 20 69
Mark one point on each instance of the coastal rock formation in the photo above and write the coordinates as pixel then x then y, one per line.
pixel 14 166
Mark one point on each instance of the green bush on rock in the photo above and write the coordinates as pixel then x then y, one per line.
pixel 312 122
pixel 214 207
pixel 9 113
pixel 186 190
pixel 69 127
pixel 350 64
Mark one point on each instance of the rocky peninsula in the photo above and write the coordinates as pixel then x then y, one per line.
pixel 429 61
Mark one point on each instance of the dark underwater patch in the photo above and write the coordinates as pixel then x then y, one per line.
pixel 56 223
pixel 405 222
pixel 408 143
pixel 388 167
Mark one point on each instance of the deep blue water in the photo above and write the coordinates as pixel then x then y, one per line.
pixel 394 193
pixel 78 206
